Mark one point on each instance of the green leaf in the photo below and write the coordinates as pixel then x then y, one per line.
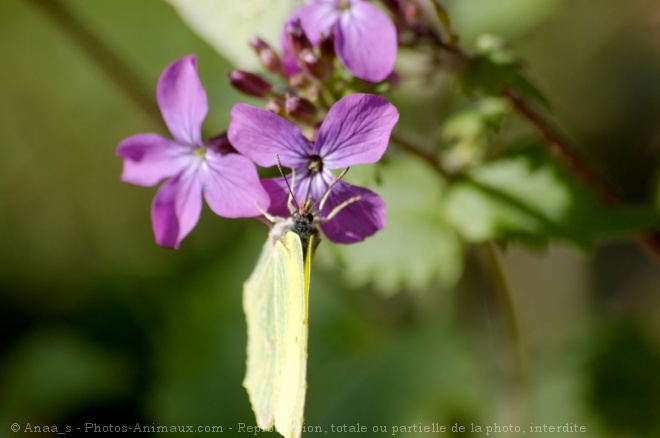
pixel 228 25
pixel 528 196
pixel 466 132
pixel 495 68
pixel 417 247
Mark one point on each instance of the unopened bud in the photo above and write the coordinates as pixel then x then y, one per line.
pixel 300 108
pixel 220 143
pixel 249 83
pixel 269 57
pixel 275 106
pixel 320 66
pixel 313 65
pixel 411 14
pixel 298 80
pixel 327 46
pixel 394 6
pixel 298 41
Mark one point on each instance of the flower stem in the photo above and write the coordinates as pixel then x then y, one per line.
pixel 491 259
pixel 422 153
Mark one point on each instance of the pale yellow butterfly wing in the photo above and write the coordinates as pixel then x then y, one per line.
pixel 275 301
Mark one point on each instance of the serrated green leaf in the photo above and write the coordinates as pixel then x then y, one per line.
pixel 228 25
pixel 417 248
pixel 529 197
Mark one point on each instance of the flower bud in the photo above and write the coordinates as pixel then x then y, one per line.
pixel 269 57
pixel 411 14
pixel 320 66
pixel 313 65
pixel 298 80
pixel 298 41
pixel 220 143
pixel 276 106
pixel 327 46
pixel 300 108
pixel 249 83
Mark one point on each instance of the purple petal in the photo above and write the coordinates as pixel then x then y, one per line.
pixel 356 221
pixel 356 131
pixel 176 209
pixel 259 135
pixel 317 18
pixel 149 158
pixel 289 64
pixel 366 42
pixel 279 196
pixel 182 100
pixel 313 185
pixel 232 187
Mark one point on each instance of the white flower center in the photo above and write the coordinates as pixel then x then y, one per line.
pixel 200 152
pixel 344 5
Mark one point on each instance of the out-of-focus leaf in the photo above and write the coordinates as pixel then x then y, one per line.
pixel 417 247
pixel 495 68
pixel 512 18
pixel 441 14
pixel 200 351
pixel 436 16
pixel 466 132
pixel 528 196
pixel 52 373
pixel 228 25
pixel 623 384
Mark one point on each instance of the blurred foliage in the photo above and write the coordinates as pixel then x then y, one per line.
pixel 624 382
pixel 101 325
pixel 229 26
pixel 417 219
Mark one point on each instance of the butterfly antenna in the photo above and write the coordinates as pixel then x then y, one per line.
pixel 309 189
pixel 335 211
pixel 279 167
pixel 324 198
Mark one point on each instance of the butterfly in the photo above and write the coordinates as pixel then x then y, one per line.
pixel 276 302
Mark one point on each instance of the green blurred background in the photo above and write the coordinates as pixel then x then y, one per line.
pixel 99 324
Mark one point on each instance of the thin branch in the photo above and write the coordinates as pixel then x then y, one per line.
pixel 562 147
pixel 556 140
pixel 422 153
pixel 559 144
pixel 110 63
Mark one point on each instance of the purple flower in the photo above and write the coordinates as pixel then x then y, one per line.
pixel 355 131
pixel 229 182
pixel 365 37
